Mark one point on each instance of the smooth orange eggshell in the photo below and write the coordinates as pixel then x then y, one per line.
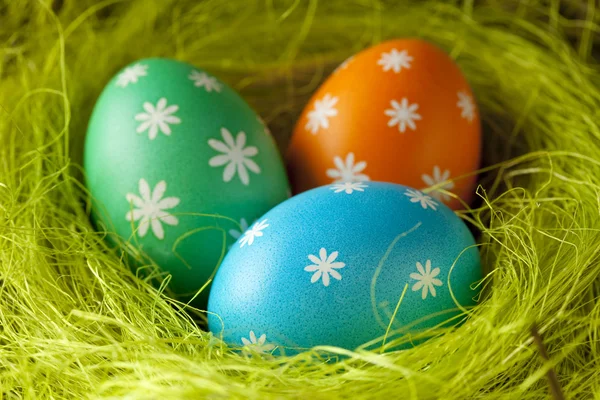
pixel 446 136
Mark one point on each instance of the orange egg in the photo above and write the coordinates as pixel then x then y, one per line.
pixel 400 111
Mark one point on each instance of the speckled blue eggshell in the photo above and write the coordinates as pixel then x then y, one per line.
pixel 266 293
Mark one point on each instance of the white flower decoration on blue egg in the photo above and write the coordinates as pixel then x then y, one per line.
pixel 324 266
pixel 348 187
pixel 421 198
pixel 253 233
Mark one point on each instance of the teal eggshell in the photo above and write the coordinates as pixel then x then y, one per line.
pixel 329 266
pixel 178 164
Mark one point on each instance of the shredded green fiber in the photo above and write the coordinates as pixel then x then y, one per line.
pixel 76 323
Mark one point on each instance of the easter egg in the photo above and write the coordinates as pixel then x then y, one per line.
pixel 401 112
pixel 334 265
pixel 177 164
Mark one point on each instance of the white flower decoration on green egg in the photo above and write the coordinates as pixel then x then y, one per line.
pixel 149 209
pixel 203 80
pixel 235 156
pixel 157 118
pixel 234 233
pixel 132 74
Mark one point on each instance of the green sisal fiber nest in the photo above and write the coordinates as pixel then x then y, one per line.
pixel 76 323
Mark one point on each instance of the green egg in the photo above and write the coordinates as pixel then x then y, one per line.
pixel 178 165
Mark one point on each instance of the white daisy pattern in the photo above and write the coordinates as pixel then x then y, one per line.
pixel 403 114
pixel 259 344
pixel 435 179
pixel 323 110
pixel 420 197
pixel 132 74
pixel 235 157
pixel 149 209
pixel 234 233
pixel 466 105
pixel 203 80
pixel 348 187
pixel 395 60
pixel 253 233
pixel 344 64
pixel 347 171
pixel 324 266
pixel 157 117
pixel 426 279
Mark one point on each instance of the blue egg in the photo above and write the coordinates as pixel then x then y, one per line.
pixel 330 266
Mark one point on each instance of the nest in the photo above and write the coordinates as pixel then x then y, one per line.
pixel 76 322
